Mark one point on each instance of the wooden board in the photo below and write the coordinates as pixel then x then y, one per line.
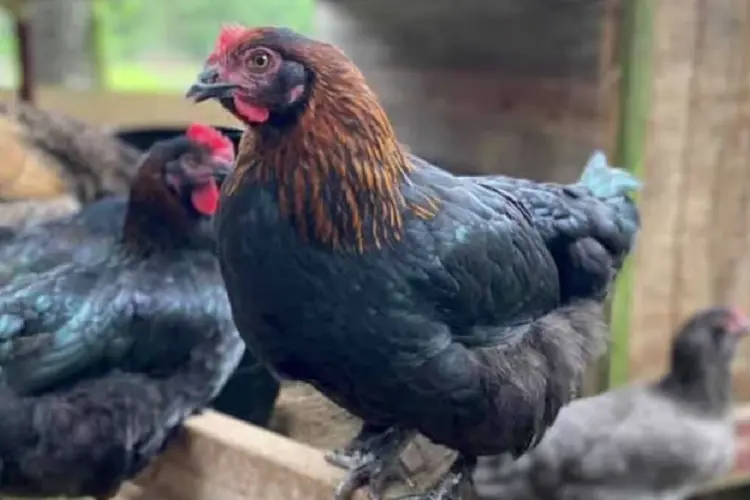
pixel 493 87
pixel 127 109
pixel 693 248
pixel 220 458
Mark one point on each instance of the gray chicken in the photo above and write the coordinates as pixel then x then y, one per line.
pixel 659 441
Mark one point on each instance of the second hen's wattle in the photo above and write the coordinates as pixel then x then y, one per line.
pixel 463 308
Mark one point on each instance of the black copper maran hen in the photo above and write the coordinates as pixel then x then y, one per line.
pixel 661 441
pixel 93 232
pixel 463 308
pixel 102 357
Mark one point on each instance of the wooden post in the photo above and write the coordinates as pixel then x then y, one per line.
pixel 693 248
pixel 634 92
pixel 22 31
pixel 24 51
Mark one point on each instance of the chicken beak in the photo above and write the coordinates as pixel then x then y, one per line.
pixel 208 86
pixel 218 173
pixel 222 172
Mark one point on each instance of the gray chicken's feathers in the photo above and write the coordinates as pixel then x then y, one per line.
pixel 605 181
pixel 629 443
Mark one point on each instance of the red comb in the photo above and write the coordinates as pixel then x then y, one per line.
pixel 221 147
pixel 739 322
pixel 738 315
pixel 228 35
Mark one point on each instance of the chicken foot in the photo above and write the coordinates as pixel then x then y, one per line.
pixel 108 496
pixel 353 453
pixel 373 459
pixel 451 485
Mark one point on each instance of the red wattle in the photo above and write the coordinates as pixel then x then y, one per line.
pixel 205 198
pixel 253 114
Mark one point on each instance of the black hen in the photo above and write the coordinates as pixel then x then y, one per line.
pixel 660 441
pixel 99 226
pixel 97 231
pixel 86 439
pixel 102 356
pixel 93 231
pixel 463 308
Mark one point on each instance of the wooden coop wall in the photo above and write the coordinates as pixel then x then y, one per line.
pixel 516 87
pixel 126 110
pixel 694 248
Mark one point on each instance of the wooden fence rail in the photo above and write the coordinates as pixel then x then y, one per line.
pixel 220 458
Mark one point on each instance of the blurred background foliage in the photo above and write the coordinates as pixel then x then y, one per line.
pixel 146 45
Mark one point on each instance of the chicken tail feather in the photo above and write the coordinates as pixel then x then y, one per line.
pixel 605 181
pixel 616 228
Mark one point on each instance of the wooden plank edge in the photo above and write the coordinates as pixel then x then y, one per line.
pixel 562 104
pixel 740 475
pixel 217 457
pixel 221 458
pixel 126 109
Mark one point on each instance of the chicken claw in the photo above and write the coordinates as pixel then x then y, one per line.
pixel 373 460
pixel 452 484
pixel 353 453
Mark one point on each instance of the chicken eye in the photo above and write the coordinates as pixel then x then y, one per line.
pixel 260 60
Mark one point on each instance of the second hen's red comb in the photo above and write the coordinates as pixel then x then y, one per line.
pixel 221 147
pixel 228 36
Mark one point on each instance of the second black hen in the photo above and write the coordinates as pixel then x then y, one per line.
pixel 110 350
pixel 463 308
pixel 89 437
pixel 97 231
pixel 99 225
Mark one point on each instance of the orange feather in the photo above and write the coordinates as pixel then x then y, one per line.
pixel 339 184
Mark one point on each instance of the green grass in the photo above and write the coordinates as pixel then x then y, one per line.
pixel 136 28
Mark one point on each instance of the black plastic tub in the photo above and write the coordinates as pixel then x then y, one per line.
pixel 143 138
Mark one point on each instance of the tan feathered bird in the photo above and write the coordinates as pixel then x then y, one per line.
pixel 52 164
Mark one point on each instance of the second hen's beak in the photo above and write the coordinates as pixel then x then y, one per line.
pixel 739 324
pixel 208 86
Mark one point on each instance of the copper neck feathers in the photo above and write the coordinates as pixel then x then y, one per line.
pixel 338 170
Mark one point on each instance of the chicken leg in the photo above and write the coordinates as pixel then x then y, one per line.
pixel 451 485
pixel 373 459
